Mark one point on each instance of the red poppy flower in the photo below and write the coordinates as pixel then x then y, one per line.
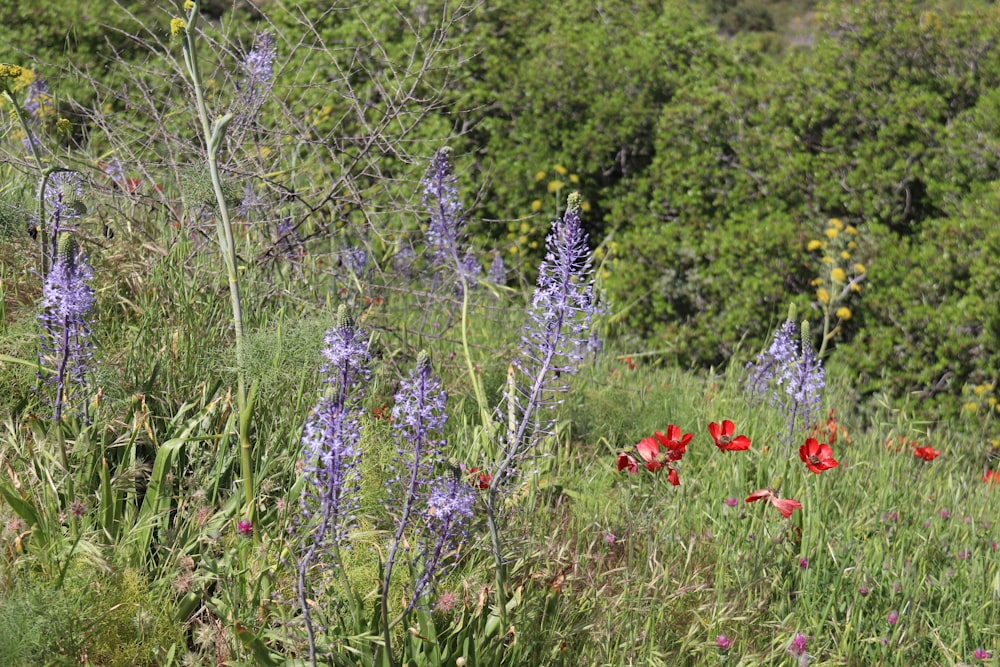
pixel 482 480
pixel 784 505
pixel 723 436
pixel 992 476
pixel 926 453
pixel 675 442
pixel 627 462
pixel 817 456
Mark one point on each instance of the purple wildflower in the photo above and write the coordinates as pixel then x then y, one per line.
pixel 449 510
pixel 67 302
pixel 722 642
pixel 258 68
pixel 797 649
pixel 803 563
pixel 731 501
pixel 981 654
pixel 498 272
pixel 38 101
pixel 418 419
pixel 244 528
pixel 554 338
pixel 893 617
pixel 330 448
pixel 446 226
pixel 792 374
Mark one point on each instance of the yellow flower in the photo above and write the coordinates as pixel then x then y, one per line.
pixel 536 205
pixel 822 295
pixel 176 26
pixel 852 245
pixel 540 175
pixel 844 313
pixel 533 245
pixel 188 5
pixel 981 389
pixel 838 275
pixel 970 407
pixel 513 250
pixel 831 233
pixel 522 240
pixel 851 229
pixel 845 255
pixel 814 245
pixel 860 268
pixel 63 126
pixel 817 281
pixel 585 207
pixel 555 186
pixel 574 179
pixel 561 170
pixel 855 287
pixel 827 259
pixel 10 71
pixel 524 228
pixel 836 223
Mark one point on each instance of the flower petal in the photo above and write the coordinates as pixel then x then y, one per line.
pixel 757 495
pixel 625 462
pixel 673 478
pixel 786 505
pixel 649 449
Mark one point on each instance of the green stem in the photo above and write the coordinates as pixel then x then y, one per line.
pixel 224 231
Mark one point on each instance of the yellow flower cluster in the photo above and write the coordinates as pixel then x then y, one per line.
pixel 177 26
pixel 9 71
pixel 839 276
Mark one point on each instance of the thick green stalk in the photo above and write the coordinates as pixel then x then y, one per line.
pixel 224 231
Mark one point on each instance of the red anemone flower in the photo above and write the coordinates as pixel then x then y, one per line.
pixel 672 477
pixel 675 443
pixel 481 480
pixel 817 456
pixel 991 476
pixel 627 462
pixel 784 505
pixel 723 436
pixel 926 453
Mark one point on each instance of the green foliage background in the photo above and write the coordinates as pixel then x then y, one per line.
pixel 711 140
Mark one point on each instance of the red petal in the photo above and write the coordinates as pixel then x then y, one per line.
pixel 653 466
pixel 625 461
pixel 713 430
pixel 728 427
pixel 673 478
pixel 739 444
pixel 649 449
pixel 757 495
pixel 673 432
pixel 786 505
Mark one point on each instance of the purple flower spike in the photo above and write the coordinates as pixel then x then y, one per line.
pixel 67 302
pixel 791 373
pixel 258 68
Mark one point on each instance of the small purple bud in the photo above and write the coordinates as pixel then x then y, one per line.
pixel 722 642
pixel 803 563
pixel 893 617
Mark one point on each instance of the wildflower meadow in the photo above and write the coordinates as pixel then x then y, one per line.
pixel 313 353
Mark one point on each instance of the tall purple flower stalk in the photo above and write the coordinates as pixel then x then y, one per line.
pixel 446 225
pixel 67 305
pixel 791 374
pixel 258 69
pixel 330 449
pixel 419 418
pixel 555 338
pixel 552 347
